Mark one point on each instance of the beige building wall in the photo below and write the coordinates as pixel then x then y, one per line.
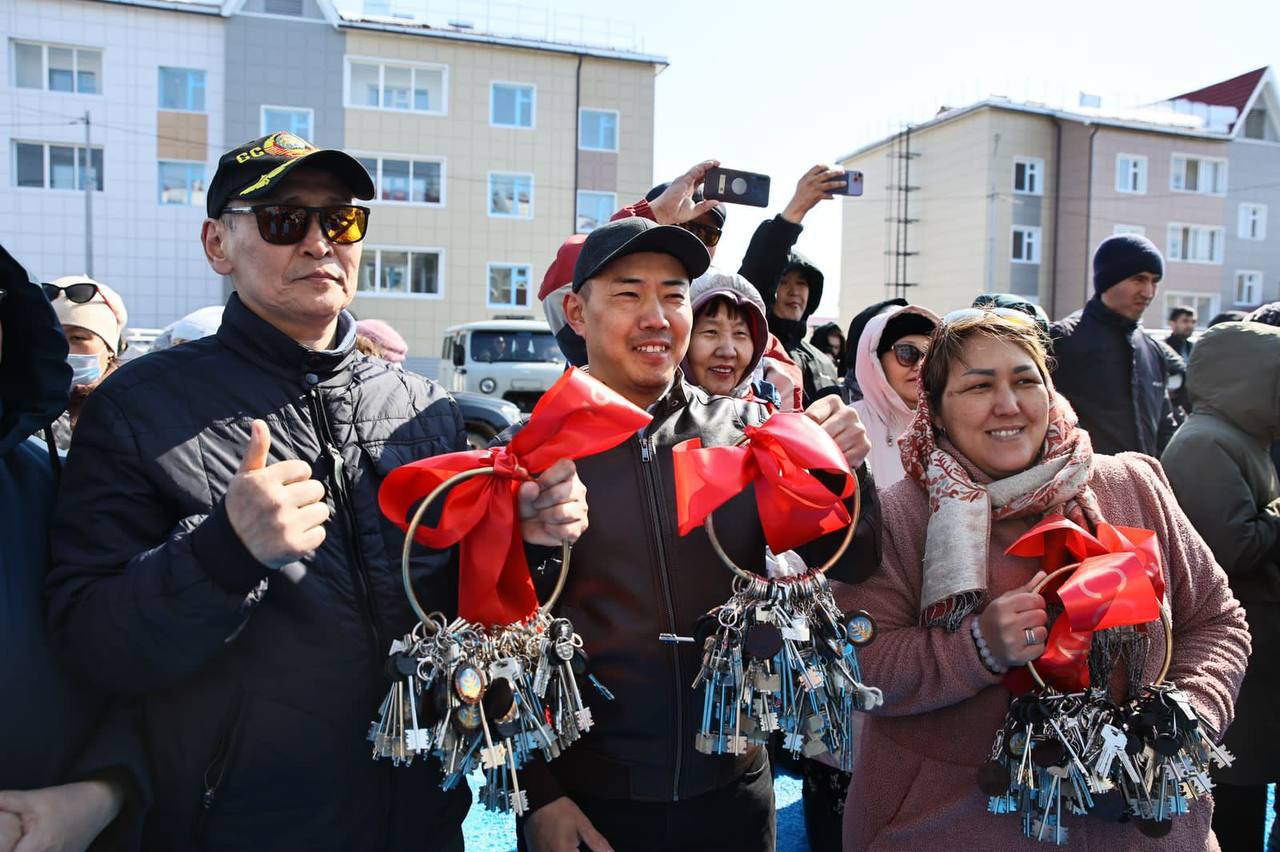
pixel 461 227
pixel 1014 136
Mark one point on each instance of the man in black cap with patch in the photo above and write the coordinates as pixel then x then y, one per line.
pixel 636 781
pixel 218 550
pixel 1114 375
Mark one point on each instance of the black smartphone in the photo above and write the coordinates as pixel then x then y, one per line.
pixel 853 184
pixel 736 187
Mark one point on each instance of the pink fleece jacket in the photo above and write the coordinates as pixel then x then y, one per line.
pixel 914 785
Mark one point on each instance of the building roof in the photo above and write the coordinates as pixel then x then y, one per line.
pixel 1236 92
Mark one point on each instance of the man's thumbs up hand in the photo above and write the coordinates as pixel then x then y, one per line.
pixel 277 510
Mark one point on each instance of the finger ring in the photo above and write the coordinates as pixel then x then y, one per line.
pixel 1030 633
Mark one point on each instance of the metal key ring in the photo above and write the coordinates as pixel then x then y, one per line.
pixel 709 524
pixel 416 521
pixel 1164 621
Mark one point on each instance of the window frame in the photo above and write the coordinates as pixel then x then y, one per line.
pixel 530 292
pixel 1201 316
pixel 1027 162
pixel 533 104
pixel 204 86
pixel 382 64
pixel 379 293
pixel 617 129
pixel 262 119
pixel 577 207
pixel 1235 289
pixel 1121 228
pixel 1261 210
pixel 1139 160
pixel 488 196
pixel 44 166
pixel 1037 235
pixel 188 163
pixel 44 66
pixel 1174 258
pixel 411 159
pixel 1184 157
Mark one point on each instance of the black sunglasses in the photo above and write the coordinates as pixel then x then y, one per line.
pixel 78 293
pixel 286 224
pixel 708 234
pixel 908 354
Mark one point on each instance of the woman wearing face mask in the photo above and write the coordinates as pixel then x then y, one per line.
pixel 93 318
pixel 991 452
pixel 890 351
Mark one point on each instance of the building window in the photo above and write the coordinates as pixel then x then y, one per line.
pixel 56 68
pixel 406 181
pixel 598 130
pixel 41 166
pixel 508 285
pixel 594 209
pixel 182 183
pixel 1128 229
pixel 400 272
pixel 511 105
pixel 1255 124
pixel 511 195
pixel 1026 244
pixel 182 89
pixel 1131 173
pixel 1028 176
pixel 300 121
pixel 1248 287
pixel 1205 306
pixel 1203 175
pixel 1253 222
pixel 1195 243
pixel 292 8
pixel 402 87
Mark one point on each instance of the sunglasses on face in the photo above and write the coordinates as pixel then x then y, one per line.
pixel 708 234
pixel 286 224
pixel 78 293
pixel 908 354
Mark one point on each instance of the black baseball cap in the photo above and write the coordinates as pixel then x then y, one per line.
pixel 632 235
pixel 255 168
pixel 719 212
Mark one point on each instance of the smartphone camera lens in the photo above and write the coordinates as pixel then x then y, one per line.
pixel 739 186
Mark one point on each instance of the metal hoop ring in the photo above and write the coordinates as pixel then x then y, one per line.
pixel 416 521
pixel 1164 621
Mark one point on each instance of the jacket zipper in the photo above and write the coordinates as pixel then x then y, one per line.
pixel 359 569
pixel 654 500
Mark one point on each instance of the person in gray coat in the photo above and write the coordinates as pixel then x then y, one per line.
pixel 1220 469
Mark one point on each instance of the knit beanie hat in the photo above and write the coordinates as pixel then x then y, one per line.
pixel 900 325
pixel 1122 256
pixel 385 338
pixel 104 314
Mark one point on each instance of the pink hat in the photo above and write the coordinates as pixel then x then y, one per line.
pixel 385 338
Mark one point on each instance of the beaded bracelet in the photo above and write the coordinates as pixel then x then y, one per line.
pixel 983 651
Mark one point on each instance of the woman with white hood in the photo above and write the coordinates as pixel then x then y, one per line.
pixel 892 346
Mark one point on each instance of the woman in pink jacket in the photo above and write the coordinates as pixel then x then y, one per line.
pixel 992 451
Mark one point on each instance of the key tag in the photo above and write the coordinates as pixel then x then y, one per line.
pixel 785 656
pixel 1067 746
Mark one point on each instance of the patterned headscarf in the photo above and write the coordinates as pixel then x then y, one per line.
pixel 962 509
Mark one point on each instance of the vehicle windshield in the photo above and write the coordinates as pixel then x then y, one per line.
pixel 517 346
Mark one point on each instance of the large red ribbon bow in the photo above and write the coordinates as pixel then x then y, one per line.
pixel 1118 581
pixel 795 507
pixel 578 416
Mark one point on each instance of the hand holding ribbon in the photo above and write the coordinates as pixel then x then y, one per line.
pixel 578 416
pixel 795 506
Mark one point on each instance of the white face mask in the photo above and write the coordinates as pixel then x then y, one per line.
pixel 86 369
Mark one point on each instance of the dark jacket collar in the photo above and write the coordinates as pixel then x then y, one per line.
pixel 790 332
pixel 1098 312
pixel 248 334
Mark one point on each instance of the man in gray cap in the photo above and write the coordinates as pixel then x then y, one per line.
pixel 219 553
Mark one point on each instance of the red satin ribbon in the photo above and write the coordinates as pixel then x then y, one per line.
pixel 1118 581
pixel 795 507
pixel 578 416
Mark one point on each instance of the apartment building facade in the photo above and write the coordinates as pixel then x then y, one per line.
pixel 487 151
pixel 1005 197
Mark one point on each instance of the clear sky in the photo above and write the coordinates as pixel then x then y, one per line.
pixel 776 87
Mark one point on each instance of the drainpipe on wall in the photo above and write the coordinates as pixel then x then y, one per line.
pixel 992 197
pixel 1057 209
pixel 577 131
pixel 1088 215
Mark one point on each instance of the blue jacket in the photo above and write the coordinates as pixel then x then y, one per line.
pixel 1115 377
pixel 53 729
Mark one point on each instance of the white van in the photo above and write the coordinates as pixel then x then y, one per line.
pixel 515 360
